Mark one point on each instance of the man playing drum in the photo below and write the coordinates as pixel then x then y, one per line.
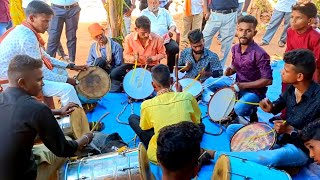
pixel 141 47
pixel 166 108
pixel 23 118
pixel 25 40
pixel 302 100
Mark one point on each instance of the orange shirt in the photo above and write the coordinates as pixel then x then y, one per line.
pixel 153 48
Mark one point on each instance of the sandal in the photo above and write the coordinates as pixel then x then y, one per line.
pixel 281 44
pixel 99 127
pixel 263 44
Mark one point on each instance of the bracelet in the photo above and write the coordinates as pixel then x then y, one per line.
pixel 236 87
pixel 70 65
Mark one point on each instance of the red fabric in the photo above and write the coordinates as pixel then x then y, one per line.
pixel 4 11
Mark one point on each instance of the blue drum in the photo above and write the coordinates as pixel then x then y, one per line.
pixel 138 83
pixel 92 85
pixel 233 168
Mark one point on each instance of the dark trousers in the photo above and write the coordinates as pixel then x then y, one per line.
pixel 144 135
pixel 172 48
pixel 70 17
pixel 102 63
pixel 119 72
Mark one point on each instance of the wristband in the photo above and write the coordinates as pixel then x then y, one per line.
pixel 236 87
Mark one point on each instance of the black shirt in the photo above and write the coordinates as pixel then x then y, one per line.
pixel 22 118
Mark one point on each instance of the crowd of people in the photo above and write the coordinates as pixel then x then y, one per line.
pixel 169 125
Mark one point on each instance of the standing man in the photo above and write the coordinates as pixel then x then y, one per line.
pixel 65 12
pixel 221 15
pixel 163 25
pixel 5 18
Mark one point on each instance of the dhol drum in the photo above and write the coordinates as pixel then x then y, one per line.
pixel 189 85
pixel 93 84
pixel 233 168
pixel 253 137
pixel 137 83
pixel 221 104
pixel 74 125
pixel 132 164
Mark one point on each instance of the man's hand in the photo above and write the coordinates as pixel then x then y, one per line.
pixel 178 87
pixel 229 71
pixel 67 109
pixel 187 67
pixel 282 128
pixel 266 105
pixel 149 60
pixel 203 73
pixel 206 14
pixel 84 140
pixel 79 68
pixel 72 81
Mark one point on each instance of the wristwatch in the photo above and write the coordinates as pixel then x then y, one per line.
pixel 70 65
pixel 294 133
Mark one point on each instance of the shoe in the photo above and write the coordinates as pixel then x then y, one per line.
pixel 281 44
pixel 263 44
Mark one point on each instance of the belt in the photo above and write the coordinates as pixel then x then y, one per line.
pixel 226 11
pixel 65 7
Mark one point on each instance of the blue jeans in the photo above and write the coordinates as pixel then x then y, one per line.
pixel 242 109
pixel 4 26
pixel 287 155
pixel 274 24
pixel 226 25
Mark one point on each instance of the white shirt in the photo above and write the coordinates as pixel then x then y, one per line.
pixel 196 7
pixel 241 1
pixel 159 24
pixel 64 2
pixel 285 5
pixel 22 41
pixel 25 3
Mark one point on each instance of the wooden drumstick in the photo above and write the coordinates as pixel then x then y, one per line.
pixel 95 126
pixel 176 71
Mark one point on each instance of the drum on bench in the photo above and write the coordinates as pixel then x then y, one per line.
pixel 132 164
pixel 234 168
pixel 93 84
pixel 74 125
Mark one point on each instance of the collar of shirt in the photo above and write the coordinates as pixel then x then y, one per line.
pixel 160 23
pixel 136 38
pixel 251 45
pixel 306 95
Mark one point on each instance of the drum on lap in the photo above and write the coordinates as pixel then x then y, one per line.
pixel 189 85
pixel 234 168
pixel 93 84
pixel 131 164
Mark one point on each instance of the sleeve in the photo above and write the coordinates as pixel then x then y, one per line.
pixel 128 51
pixel 117 53
pixel 145 121
pixel 233 56
pixel 161 52
pixel 182 59
pixel 215 66
pixel 263 63
pixel 196 114
pixel 170 20
pixel 289 40
pixel 31 48
pixel 55 62
pixel 91 58
pixel 51 134
pixel 280 103
pixel 316 50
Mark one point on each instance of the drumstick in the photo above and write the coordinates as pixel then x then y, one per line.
pixel 95 126
pixel 176 70
pixel 142 78
pixel 134 68
pixel 194 81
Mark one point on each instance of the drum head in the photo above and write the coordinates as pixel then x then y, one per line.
pixel 253 137
pixel 94 83
pixel 137 83
pixel 221 104
pixel 145 170
pixel 79 123
pixel 189 85
pixel 222 169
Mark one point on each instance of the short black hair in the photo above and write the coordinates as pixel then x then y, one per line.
pixel 248 19
pixel 178 145
pixel 161 74
pixel 195 36
pixel 38 7
pixel 308 9
pixel 20 64
pixel 303 60
pixel 311 131
pixel 143 22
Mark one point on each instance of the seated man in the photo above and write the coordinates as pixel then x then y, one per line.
pixel 25 40
pixel 141 46
pixel 178 150
pixel 163 25
pixel 165 109
pixel 105 53
pixel 252 67
pixel 23 118
pixel 302 102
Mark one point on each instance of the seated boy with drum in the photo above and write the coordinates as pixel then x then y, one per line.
pixel 166 108
pixel 105 53
pixel 302 100
pixel 23 118
pixel 141 48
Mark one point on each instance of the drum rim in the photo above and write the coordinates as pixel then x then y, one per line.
pixel 232 102
pixel 97 97
pixel 227 171
pixel 83 115
pixel 264 123
pixel 197 81
pixel 124 84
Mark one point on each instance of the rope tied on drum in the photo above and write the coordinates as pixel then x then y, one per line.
pixel 125 107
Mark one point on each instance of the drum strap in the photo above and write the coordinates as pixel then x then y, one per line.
pixel 108 50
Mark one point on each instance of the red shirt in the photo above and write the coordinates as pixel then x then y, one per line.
pixel 4 11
